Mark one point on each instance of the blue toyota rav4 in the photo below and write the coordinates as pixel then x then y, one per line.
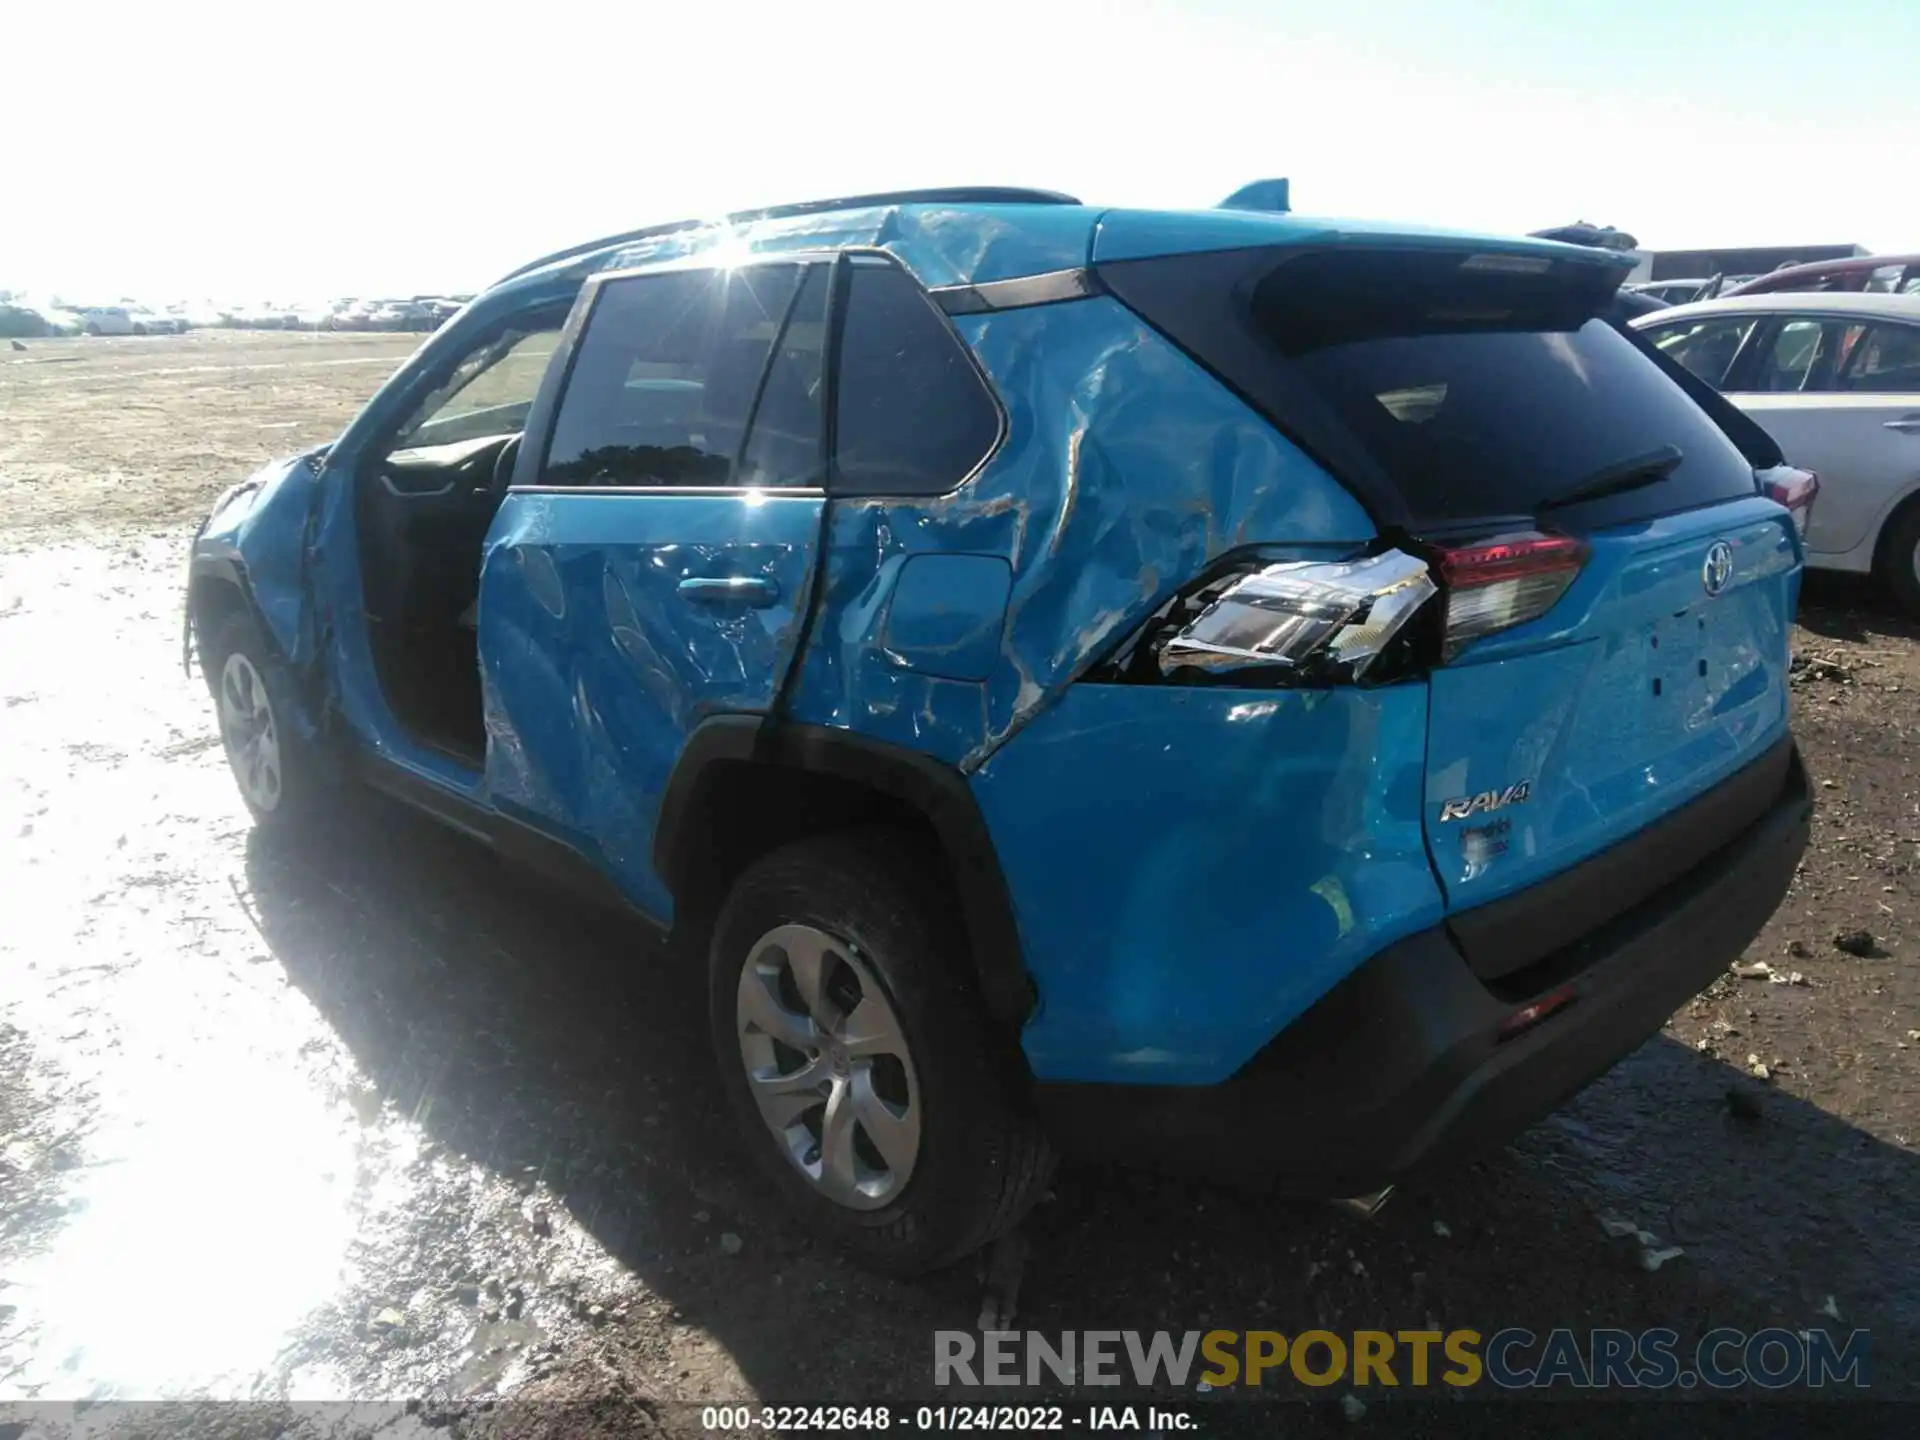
pixel 1217 689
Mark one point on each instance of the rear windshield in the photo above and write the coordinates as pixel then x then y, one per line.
pixel 1447 388
pixel 1490 395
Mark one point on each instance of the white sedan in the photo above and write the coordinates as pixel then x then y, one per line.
pixel 1835 379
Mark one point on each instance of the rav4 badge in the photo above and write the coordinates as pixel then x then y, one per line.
pixel 1485 802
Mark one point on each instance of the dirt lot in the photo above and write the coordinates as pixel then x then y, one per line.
pixel 369 1118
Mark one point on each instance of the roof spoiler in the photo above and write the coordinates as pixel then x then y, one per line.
pixel 1270 195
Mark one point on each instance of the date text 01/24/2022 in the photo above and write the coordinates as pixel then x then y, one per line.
pixel 742 1419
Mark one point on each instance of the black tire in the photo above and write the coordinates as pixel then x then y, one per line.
pixel 299 793
pixel 1900 559
pixel 982 1161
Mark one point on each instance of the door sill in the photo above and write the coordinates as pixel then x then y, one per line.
pixel 525 845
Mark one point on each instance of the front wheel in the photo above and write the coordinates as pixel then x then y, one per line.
pixel 275 768
pixel 857 1059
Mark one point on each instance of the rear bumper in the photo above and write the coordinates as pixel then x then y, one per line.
pixel 1402 1065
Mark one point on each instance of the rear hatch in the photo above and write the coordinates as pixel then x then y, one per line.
pixel 1617 595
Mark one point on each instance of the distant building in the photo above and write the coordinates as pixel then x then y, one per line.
pixel 1747 260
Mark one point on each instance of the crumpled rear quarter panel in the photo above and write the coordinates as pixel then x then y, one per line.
pixel 1192 868
pixel 1125 470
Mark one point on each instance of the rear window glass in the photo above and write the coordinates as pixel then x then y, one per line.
pixel 1485 394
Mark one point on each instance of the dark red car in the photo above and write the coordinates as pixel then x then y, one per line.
pixel 1887 274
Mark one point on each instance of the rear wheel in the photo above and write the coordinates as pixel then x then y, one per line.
pixel 1900 559
pixel 275 768
pixel 856 1057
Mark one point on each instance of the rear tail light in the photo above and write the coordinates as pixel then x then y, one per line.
pixel 1304 615
pixel 1497 584
pixel 1794 488
pixel 1332 622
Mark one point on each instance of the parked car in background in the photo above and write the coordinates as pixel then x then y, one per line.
pixel 1869 274
pixel 107 320
pixel 346 314
pixel 1075 674
pixel 1673 292
pixel 401 315
pixel 1835 379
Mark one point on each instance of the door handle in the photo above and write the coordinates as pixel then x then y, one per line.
pixel 1908 423
pixel 752 590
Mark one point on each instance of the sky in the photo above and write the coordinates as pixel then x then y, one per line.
pixel 292 152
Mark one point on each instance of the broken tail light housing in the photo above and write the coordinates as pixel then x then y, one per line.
pixel 1325 621
pixel 1496 584
pixel 1794 488
pixel 1315 622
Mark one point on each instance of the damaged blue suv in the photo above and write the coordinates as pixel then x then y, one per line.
pixel 1214 689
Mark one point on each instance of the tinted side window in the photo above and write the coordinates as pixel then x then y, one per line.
pixel 1805 354
pixel 1706 347
pixel 1886 359
pixel 665 378
pixel 784 444
pixel 913 416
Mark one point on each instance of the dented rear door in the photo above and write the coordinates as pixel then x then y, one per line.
pixel 653 562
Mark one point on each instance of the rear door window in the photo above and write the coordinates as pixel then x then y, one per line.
pixel 913 414
pixel 1804 354
pixel 1886 358
pixel 1706 347
pixel 671 372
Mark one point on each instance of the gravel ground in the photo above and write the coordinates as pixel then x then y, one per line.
pixel 368 1117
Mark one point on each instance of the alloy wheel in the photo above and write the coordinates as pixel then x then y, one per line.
pixel 827 1063
pixel 248 730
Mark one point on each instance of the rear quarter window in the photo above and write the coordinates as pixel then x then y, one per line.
pixel 913 414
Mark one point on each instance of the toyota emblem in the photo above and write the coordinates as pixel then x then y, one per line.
pixel 1717 568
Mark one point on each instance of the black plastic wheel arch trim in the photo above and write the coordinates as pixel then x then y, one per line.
pixel 937 791
pixel 221 568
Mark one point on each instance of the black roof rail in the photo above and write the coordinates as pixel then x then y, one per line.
pixel 947 195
